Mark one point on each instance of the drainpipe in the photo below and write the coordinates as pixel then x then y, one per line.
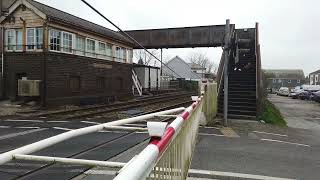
pixel 44 66
pixel 2 63
pixel 2 51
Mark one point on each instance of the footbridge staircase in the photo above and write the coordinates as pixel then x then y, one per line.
pixel 239 73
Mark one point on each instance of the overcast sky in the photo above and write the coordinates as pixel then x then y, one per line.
pixel 289 29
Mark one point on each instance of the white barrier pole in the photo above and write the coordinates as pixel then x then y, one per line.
pixel 142 165
pixel 70 161
pixel 8 156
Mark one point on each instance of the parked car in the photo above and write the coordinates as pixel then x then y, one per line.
pixel 308 92
pixel 304 95
pixel 283 91
pixel 316 96
pixel 294 94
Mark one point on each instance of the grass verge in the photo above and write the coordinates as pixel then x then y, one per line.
pixel 271 114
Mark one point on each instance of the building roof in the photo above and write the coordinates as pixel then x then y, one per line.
pixel 316 72
pixel 179 66
pixel 57 15
pixel 196 66
pixel 286 73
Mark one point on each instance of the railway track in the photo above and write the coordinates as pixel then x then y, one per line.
pixel 102 109
pixel 52 169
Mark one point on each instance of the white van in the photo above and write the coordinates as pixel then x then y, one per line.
pixel 283 91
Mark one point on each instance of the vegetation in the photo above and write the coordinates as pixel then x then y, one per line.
pixel 271 115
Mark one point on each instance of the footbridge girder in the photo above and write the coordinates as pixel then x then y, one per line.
pixel 183 37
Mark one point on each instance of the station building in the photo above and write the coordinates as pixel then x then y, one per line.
pixel 75 61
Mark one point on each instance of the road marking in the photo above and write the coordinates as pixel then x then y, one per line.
pixel 57 121
pixel 5 126
pixel 100 172
pixel 139 125
pixel 210 127
pixel 261 132
pixel 90 122
pixel 198 171
pixel 105 131
pixel 229 132
pixel 61 128
pixel 207 134
pixel 285 142
pixel 235 175
pixel 22 120
pixel 196 178
pixel 27 127
pixel 141 132
pixel 20 133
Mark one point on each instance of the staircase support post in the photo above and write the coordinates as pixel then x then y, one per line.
pixel 226 63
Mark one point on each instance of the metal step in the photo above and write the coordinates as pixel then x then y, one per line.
pixel 239 117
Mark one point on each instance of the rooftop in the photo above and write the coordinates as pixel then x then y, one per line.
pixel 286 73
pixel 57 15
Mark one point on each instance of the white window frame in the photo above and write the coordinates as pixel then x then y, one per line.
pixel 14 37
pixel 120 54
pixel 61 40
pixel 102 53
pixel 63 48
pixel 298 80
pixel 109 52
pixel 289 81
pixel 80 52
pixel 35 43
pixel 124 55
pixel 316 78
pixel 130 55
pixel 91 52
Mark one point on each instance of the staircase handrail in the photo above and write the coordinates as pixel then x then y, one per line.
pixel 220 72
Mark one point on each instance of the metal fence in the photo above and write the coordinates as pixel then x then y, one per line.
pixel 175 161
pixel 168 156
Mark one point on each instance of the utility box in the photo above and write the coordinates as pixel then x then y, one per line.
pixel 29 87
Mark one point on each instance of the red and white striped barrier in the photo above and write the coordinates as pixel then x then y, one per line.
pixel 172 164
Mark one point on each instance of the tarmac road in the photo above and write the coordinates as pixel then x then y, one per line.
pixel 95 146
pixel 264 150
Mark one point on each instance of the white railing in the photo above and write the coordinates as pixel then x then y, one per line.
pixel 21 153
pixel 136 83
pixel 168 156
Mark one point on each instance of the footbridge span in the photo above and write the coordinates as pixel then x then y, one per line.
pixel 239 74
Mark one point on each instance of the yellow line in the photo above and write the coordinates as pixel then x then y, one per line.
pixel 229 132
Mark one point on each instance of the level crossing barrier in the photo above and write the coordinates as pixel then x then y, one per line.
pixel 167 156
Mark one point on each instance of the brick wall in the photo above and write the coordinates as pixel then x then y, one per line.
pixel 60 67
pixel 17 64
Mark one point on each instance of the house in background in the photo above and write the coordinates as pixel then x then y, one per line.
pixel 284 78
pixel 181 70
pixel 314 78
pixel 75 60
pixel 198 69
